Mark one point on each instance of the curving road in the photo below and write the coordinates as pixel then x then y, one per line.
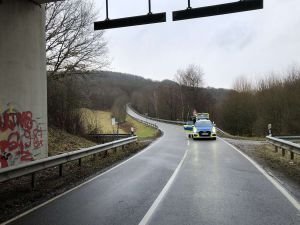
pixel 174 181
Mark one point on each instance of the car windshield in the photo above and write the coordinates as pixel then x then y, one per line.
pixel 189 123
pixel 203 123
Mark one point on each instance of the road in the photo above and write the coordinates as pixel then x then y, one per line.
pixel 173 181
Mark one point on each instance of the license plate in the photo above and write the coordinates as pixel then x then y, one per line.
pixel 204 133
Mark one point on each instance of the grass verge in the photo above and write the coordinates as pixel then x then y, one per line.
pixel 60 141
pixel 141 130
pixel 281 167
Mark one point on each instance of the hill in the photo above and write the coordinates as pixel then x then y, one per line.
pixel 110 91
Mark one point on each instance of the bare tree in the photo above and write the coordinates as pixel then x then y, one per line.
pixel 71 43
pixel 190 80
pixel 192 76
pixel 243 84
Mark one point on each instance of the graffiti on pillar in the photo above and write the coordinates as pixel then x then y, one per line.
pixel 21 136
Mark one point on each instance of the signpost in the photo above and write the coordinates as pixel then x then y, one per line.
pixel 270 129
pixel 113 121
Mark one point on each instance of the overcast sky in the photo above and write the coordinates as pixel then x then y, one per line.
pixel 249 43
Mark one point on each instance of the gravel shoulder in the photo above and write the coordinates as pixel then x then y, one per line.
pixel 287 172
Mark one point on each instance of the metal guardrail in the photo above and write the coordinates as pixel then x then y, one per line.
pixel 290 138
pixel 58 160
pixel 142 121
pixel 145 122
pixel 224 133
pixel 285 145
pixel 166 121
pixel 110 135
pixel 104 138
pixel 156 119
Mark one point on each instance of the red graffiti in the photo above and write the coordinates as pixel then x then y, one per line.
pixel 21 135
pixel 9 121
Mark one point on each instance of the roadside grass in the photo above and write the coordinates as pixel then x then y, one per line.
pixel 99 121
pixel 141 130
pixel 227 135
pixel 281 167
pixel 60 141
pixel 275 160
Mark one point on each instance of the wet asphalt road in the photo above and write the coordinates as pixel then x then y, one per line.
pixel 215 185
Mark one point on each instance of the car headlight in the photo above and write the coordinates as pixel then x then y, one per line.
pixel 195 129
pixel 213 130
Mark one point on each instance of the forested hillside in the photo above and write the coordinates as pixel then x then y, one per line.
pixel 274 100
pixel 246 110
pixel 111 91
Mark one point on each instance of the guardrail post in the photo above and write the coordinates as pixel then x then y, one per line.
pixel 60 170
pixel 79 162
pixel 276 148
pixel 33 180
pixel 292 155
pixel 105 154
pixel 283 152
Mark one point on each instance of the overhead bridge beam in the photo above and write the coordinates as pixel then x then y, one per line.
pixel 130 21
pixel 234 7
pixel 45 1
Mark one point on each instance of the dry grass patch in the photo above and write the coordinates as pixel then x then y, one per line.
pixel 60 141
pixel 141 130
pixel 276 161
pixel 97 121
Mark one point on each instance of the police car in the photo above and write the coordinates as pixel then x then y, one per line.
pixel 204 129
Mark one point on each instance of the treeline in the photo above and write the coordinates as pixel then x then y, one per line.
pixel 252 106
pixel 246 110
pixel 111 91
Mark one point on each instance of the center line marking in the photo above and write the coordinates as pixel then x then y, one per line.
pixel 162 194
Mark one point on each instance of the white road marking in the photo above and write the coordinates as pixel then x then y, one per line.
pixel 80 185
pixel 162 194
pixel 286 194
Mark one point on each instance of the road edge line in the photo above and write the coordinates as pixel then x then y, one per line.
pixel 162 194
pixel 279 187
pixel 80 185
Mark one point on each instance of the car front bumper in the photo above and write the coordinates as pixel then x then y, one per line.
pixel 198 136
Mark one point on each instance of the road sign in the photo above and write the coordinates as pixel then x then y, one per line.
pixel 130 21
pixel 220 9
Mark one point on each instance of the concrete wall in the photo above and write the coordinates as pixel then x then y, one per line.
pixel 23 90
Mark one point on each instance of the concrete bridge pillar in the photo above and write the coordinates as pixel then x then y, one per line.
pixel 23 88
